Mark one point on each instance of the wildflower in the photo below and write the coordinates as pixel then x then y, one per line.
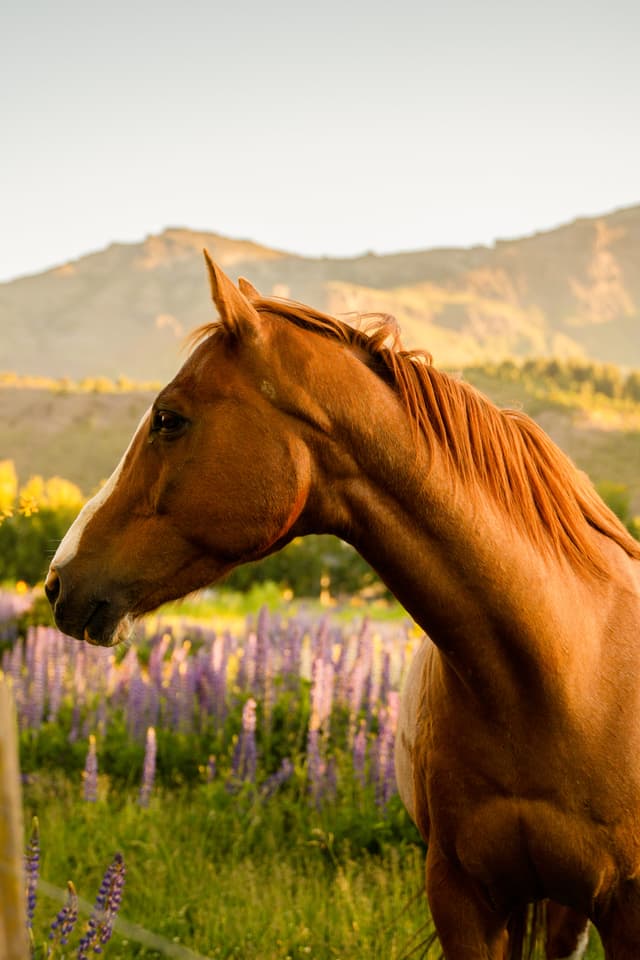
pixel 28 505
pixel 385 779
pixel 322 694
pixel 245 754
pixel 360 753
pixel 105 910
pixel 211 769
pixel 65 921
pixel 90 774
pixel 316 766
pixel 149 769
pixel 275 781
pixel 32 870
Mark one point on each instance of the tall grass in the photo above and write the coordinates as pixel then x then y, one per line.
pixel 235 875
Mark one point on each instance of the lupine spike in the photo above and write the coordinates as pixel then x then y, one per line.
pixel 105 910
pixel 90 774
pixel 211 769
pixel 149 769
pixel 65 921
pixel 245 754
pixel 32 870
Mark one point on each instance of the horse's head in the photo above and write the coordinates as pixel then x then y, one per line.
pixel 217 473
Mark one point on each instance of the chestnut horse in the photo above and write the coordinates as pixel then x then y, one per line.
pixel 519 754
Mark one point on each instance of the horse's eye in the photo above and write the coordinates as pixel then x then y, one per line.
pixel 167 422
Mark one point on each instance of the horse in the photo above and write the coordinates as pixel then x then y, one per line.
pixel 519 743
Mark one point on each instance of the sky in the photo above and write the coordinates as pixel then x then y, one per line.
pixel 331 128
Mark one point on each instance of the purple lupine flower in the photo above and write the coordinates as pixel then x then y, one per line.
pixel 292 649
pixel 32 870
pixel 357 680
pixel 385 677
pixel 275 781
pixel 262 651
pixel 385 769
pixel 315 766
pixel 103 915
pixel 149 768
pixel 136 706
pixel 90 774
pixel 360 753
pixel 246 672
pixel 211 768
pixel 156 658
pixel 79 688
pixel 65 921
pixel 37 688
pixel 220 662
pixel 244 760
pixel 180 693
pixel 55 684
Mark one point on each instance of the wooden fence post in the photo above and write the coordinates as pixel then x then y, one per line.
pixel 13 924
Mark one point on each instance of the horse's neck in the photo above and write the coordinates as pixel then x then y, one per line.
pixel 457 564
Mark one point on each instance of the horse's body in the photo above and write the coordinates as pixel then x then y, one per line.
pixel 519 753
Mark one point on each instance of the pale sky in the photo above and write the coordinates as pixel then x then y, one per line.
pixel 324 129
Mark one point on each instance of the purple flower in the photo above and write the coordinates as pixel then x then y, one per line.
pixel 65 921
pixel 103 915
pixel 275 781
pixel 315 765
pixel 322 694
pixel 136 706
pixel 245 754
pixel 32 870
pixel 149 769
pixel 90 774
pixel 360 753
pixel 385 771
pixel 211 769
pixel 262 652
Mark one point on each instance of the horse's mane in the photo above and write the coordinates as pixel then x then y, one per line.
pixel 500 451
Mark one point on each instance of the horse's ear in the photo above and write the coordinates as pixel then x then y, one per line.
pixel 236 312
pixel 248 289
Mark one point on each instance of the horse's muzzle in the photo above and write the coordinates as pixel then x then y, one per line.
pixel 98 621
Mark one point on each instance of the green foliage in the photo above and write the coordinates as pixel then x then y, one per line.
pixel 617 498
pixel 27 543
pixel 581 378
pixel 307 566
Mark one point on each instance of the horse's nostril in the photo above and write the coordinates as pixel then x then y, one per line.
pixel 52 587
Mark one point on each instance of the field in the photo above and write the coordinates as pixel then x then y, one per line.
pixel 259 818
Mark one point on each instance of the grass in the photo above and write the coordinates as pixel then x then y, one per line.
pixel 233 877
pixel 237 877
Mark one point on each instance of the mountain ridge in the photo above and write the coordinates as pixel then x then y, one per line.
pixel 572 291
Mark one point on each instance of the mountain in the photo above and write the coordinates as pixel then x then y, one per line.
pixel 569 292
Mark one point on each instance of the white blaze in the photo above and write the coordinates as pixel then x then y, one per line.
pixel 69 546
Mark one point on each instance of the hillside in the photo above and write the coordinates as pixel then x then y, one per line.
pixel 81 435
pixel 569 292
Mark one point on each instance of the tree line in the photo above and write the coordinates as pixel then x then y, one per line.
pixel 581 377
